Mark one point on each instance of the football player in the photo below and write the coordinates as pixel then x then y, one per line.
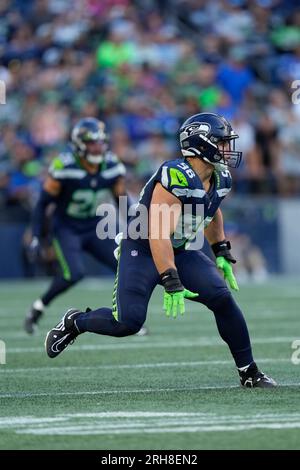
pixel 77 183
pixel 200 179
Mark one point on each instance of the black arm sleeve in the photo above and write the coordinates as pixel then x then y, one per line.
pixel 38 215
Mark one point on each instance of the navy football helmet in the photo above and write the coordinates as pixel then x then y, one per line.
pixel 89 130
pixel 209 136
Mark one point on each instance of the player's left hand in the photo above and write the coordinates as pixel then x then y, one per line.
pixel 175 293
pixel 174 302
pixel 226 267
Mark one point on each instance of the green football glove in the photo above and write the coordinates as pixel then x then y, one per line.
pixel 224 259
pixel 174 293
pixel 226 267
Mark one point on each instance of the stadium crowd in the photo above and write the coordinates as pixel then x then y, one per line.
pixel 142 67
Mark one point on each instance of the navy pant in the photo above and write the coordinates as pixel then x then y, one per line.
pixel 136 279
pixel 138 276
pixel 70 247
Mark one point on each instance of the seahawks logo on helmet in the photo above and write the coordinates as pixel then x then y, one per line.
pixel 195 128
pixel 199 128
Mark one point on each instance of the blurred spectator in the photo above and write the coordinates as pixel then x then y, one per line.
pixel 143 67
pixel 23 184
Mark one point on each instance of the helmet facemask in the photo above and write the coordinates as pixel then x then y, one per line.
pixel 228 154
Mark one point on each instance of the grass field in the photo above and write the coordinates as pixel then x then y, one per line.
pixel 174 389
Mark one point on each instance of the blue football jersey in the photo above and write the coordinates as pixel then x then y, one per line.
pixel 198 206
pixel 82 192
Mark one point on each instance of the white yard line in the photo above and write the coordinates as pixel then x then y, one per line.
pixel 63 369
pixel 149 422
pixel 114 418
pixel 145 343
pixel 143 429
pixel 30 395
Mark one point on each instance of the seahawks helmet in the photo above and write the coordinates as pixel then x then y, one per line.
pixel 205 135
pixel 89 130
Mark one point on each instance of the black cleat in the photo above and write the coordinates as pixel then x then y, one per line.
pixel 254 378
pixel 63 334
pixel 32 319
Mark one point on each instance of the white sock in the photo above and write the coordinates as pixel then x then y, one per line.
pixel 38 305
pixel 244 369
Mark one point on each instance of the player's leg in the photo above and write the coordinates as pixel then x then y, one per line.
pixel 67 245
pixel 136 278
pixel 103 251
pixel 199 274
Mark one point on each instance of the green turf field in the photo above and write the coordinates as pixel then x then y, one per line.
pixel 174 389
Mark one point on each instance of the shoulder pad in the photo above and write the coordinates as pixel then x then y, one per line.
pixel 62 161
pixel 65 167
pixel 177 173
pixel 180 179
pixel 113 167
pixel 111 159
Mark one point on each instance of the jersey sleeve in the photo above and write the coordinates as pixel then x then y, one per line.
pixel 63 168
pixel 224 182
pixel 178 182
pixel 55 168
pixel 113 169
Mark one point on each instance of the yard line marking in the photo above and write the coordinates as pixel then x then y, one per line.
pixel 108 392
pixel 132 422
pixel 120 392
pixel 170 415
pixel 81 430
pixel 11 421
pixel 146 344
pixel 6 370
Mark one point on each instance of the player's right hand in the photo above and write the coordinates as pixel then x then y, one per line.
pixel 226 268
pixel 33 250
pixel 175 293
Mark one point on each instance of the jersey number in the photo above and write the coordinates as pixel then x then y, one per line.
pixel 225 173
pixel 85 202
pixel 187 169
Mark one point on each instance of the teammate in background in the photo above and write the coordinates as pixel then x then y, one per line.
pixel 200 178
pixel 77 183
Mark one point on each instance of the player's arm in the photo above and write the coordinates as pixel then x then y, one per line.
pixel 49 193
pixel 215 230
pixel 118 190
pixel 221 247
pixel 165 210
